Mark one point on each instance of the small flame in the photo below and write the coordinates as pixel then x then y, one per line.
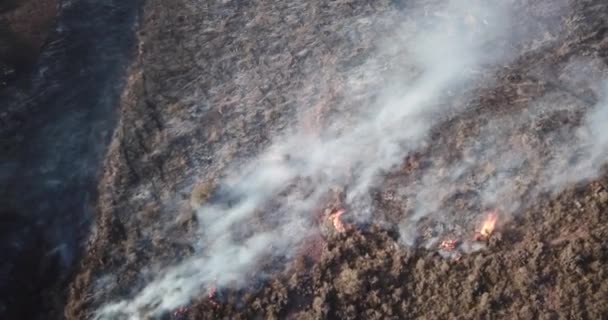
pixel 488 225
pixel 337 222
pixel 448 244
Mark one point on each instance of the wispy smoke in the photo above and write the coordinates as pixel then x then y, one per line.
pixel 264 210
pixel 508 160
pixel 582 155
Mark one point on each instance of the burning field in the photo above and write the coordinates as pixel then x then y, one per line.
pixel 356 160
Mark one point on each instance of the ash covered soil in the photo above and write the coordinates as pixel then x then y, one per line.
pixel 214 82
pixel 24 27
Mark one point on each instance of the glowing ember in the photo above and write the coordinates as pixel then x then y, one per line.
pixel 456 257
pixel 448 244
pixel 181 311
pixel 337 222
pixel 211 295
pixel 488 225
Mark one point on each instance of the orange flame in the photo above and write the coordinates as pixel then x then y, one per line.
pixel 488 225
pixel 335 218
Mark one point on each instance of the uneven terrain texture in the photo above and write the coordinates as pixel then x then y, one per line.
pixel 62 65
pixel 214 81
pixel 24 28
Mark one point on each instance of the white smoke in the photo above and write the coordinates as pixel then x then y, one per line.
pixel 551 144
pixel 263 211
pixel 582 156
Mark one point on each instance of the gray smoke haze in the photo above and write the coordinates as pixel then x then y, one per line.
pixel 552 144
pixel 271 199
pixel 582 155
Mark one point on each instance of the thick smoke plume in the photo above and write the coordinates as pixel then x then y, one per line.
pixel 262 211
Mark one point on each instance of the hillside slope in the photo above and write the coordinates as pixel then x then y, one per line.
pixel 214 83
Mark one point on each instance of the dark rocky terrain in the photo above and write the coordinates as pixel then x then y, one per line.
pixel 213 82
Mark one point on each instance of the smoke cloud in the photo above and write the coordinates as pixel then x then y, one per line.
pixel 262 211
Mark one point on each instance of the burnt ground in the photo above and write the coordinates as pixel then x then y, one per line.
pixel 24 28
pixel 61 70
pixel 214 81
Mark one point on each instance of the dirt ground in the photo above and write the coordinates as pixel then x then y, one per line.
pixel 214 81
